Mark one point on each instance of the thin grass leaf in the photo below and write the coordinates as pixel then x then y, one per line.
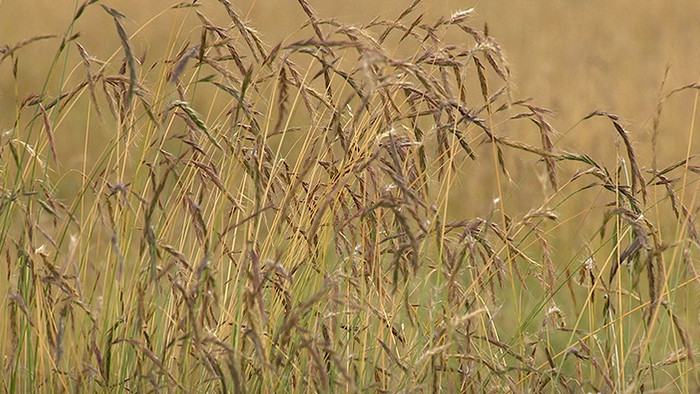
pixel 128 54
pixel 192 115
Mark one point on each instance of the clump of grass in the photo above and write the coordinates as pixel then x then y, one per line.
pixel 282 218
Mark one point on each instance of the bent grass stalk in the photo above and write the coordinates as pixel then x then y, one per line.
pixel 318 215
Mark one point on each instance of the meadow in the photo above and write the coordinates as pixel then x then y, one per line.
pixel 219 196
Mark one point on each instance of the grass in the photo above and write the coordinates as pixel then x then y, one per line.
pixel 356 208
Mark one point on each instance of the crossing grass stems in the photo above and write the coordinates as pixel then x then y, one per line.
pixel 280 218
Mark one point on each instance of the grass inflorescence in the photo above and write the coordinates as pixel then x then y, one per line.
pixel 366 208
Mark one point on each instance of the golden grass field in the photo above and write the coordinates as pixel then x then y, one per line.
pixel 361 196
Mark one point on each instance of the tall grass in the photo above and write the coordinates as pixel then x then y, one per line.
pixel 365 209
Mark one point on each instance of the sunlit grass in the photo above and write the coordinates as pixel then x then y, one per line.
pixel 236 216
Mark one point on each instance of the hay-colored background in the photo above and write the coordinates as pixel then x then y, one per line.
pixel 571 56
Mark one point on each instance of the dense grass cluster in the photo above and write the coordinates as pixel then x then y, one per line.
pixel 365 209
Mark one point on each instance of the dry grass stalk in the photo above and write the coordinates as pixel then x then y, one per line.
pixel 313 239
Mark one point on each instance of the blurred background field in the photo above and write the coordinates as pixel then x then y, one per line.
pixel 572 57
